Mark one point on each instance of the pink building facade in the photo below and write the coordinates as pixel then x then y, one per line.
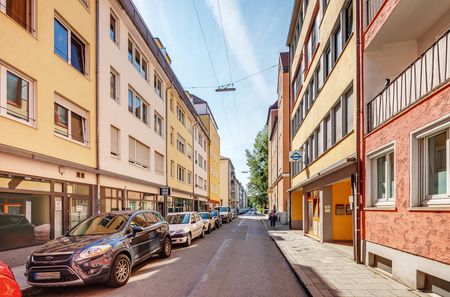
pixel 405 106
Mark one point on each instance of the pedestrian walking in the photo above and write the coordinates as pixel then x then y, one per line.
pixel 273 218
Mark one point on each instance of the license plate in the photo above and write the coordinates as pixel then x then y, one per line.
pixel 46 275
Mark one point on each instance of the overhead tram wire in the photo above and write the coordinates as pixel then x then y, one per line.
pixel 212 66
pixel 231 76
pixel 236 82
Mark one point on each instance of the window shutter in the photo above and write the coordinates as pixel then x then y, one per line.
pixel 159 162
pixel 132 149
pixel 114 141
pixel 77 127
pixel 142 154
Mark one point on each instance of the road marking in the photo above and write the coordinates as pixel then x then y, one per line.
pixel 204 276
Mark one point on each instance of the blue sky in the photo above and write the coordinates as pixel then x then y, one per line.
pixel 255 33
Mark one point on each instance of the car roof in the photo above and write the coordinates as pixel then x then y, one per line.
pixel 184 212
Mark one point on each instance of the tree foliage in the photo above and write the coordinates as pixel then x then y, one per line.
pixel 257 161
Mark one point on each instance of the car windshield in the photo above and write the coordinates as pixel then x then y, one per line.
pixel 204 215
pixel 100 225
pixel 223 209
pixel 178 219
pixel 214 213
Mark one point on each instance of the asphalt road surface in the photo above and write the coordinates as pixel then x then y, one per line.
pixel 238 259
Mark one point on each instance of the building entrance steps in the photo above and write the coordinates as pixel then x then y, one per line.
pixel 325 271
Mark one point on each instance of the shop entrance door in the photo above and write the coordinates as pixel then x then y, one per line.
pixel 314 214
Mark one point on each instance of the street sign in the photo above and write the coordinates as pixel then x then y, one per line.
pixel 164 191
pixel 295 156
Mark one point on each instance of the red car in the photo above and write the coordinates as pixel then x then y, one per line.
pixel 8 284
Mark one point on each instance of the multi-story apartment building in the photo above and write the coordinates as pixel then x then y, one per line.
pixel 227 182
pixel 322 49
pixel 406 143
pixel 278 145
pixel 47 118
pixel 201 148
pixel 181 117
pixel 213 159
pixel 132 81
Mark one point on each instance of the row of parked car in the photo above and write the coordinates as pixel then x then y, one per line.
pixel 105 247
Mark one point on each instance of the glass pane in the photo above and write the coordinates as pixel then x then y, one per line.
pixel 391 175
pixel 17 10
pixel 112 86
pixel 24 220
pixel 79 210
pixel 130 51
pixel 338 121
pixel 58 187
pixel 60 40
pixel 138 107
pixel 58 224
pixel 437 164
pixel 77 54
pixel 349 111
pixel 130 101
pixel 61 120
pixel 78 189
pixel 17 96
pixel 381 177
pixel 112 28
pixel 77 127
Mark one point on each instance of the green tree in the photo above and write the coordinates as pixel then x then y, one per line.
pixel 257 162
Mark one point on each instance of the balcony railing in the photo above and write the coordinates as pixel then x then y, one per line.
pixel 372 7
pixel 428 73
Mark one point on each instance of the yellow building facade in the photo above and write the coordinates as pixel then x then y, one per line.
pixel 180 120
pixel 323 117
pixel 47 114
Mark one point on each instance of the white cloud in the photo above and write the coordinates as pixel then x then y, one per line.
pixel 238 41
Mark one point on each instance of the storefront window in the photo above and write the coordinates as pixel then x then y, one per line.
pixel 149 202
pixel 24 220
pixel 58 187
pixel 78 189
pixel 23 183
pixel 111 199
pixel 79 210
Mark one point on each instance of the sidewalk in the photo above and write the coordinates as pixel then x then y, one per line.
pixel 20 278
pixel 325 271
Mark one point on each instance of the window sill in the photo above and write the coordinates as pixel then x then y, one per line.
pixel 85 144
pixel 445 208
pixel 18 120
pixel 68 63
pixel 380 208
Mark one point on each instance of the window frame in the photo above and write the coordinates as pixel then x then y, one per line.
pixel 71 32
pixel 31 13
pixel 132 58
pixel 158 126
pixel 117 85
pixel 135 162
pixel 116 40
pixel 31 120
pixel 373 198
pixel 115 155
pixel 158 85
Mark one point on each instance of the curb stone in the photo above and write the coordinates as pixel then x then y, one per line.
pixel 303 285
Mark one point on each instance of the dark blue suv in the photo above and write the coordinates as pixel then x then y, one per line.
pixel 102 248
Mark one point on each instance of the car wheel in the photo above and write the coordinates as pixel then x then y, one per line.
pixel 120 271
pixel 209 229
pixel 203 233
pixel 166 248
pixel 188 240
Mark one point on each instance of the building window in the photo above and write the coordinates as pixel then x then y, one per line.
pixel 337 43
pixel 382 172
pixel 114 85
pixel 189 177
pixel 158 124
pixel 181 116
pixel 349 114
pixel 19 103
pixel 157 84
pixel 327 62
pixel 348 17
pixel 137 59
pixel 328 133
pixel 172 168
pixel 69 47
pixel 171 103
pixel 159 163
pixel 189 151
pixel 21 11
pixel 138 107
pixel 337 122
pixel 139 153
pixel 115 140
pixel 113 29
pixel 171 135
pixel 181 144
pixel 69 123
pixel 181 173
pixel 320 139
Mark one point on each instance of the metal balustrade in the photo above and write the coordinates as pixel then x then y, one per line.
pixel 426 74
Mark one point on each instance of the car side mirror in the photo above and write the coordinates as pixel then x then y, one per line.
pixel 137 229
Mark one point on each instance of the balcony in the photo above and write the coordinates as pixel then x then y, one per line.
pixel 425 75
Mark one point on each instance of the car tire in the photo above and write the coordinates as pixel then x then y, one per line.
pixel 203 233
pixel 209 229
pixel 188 240
pixel 166 248
pixel 119 272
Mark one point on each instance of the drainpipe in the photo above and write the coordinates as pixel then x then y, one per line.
pixel 359 135
pixel 167 147
pixel 193 164
pixel 97 139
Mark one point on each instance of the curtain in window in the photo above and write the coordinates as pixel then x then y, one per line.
pixel 17 10
pixel 77 54
pixel 77 129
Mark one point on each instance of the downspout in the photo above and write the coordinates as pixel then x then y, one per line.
pixel 290 134
pixel 167 147
pixel 357 199
pixel 193 164
pixel 97 139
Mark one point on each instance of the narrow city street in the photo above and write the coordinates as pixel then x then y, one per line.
pixel 238 259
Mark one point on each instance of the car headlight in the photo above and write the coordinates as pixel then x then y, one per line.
pixel 179 231
pixel 93 251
